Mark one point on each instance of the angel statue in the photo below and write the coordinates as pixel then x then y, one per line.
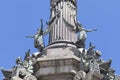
pixel 82 34
pixel 38 38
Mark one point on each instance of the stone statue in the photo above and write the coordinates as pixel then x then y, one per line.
pixel 83 35
pixel 90 51
pixel 17 73
pixel 94 66
pixel 22 71
pixel 26 66
pixel 97 54
pixel 27 55
pixel 84 65
pixel 80 75
pixel 27 63
pixel 38 38
pixel 19 61
pixel 23 67
pixel 7 73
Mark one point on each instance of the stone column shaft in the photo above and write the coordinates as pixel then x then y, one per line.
pixel 60 31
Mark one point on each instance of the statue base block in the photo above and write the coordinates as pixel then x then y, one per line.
pixel 56 68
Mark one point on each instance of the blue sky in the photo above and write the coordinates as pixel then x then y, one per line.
pixel 19 18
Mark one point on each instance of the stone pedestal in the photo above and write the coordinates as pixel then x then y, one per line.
pixel 53 69
pixel 57 64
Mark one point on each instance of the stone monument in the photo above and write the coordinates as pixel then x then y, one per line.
pixel 65 57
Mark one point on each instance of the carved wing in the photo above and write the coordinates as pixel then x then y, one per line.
pixel 7 73
pixel 27 54
pixel 90 51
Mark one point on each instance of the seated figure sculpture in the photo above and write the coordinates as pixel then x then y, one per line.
pixel 22 71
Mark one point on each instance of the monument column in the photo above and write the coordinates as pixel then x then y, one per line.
pixel 61 55
pixel 63 12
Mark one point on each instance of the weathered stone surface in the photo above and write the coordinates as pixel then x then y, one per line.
pixel 61 50
pixel 16 78
pixel 94 76
pixel 29 77
pixel 56 66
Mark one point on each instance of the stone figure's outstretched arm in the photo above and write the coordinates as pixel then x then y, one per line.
pixel 91 30
pixel 31 36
